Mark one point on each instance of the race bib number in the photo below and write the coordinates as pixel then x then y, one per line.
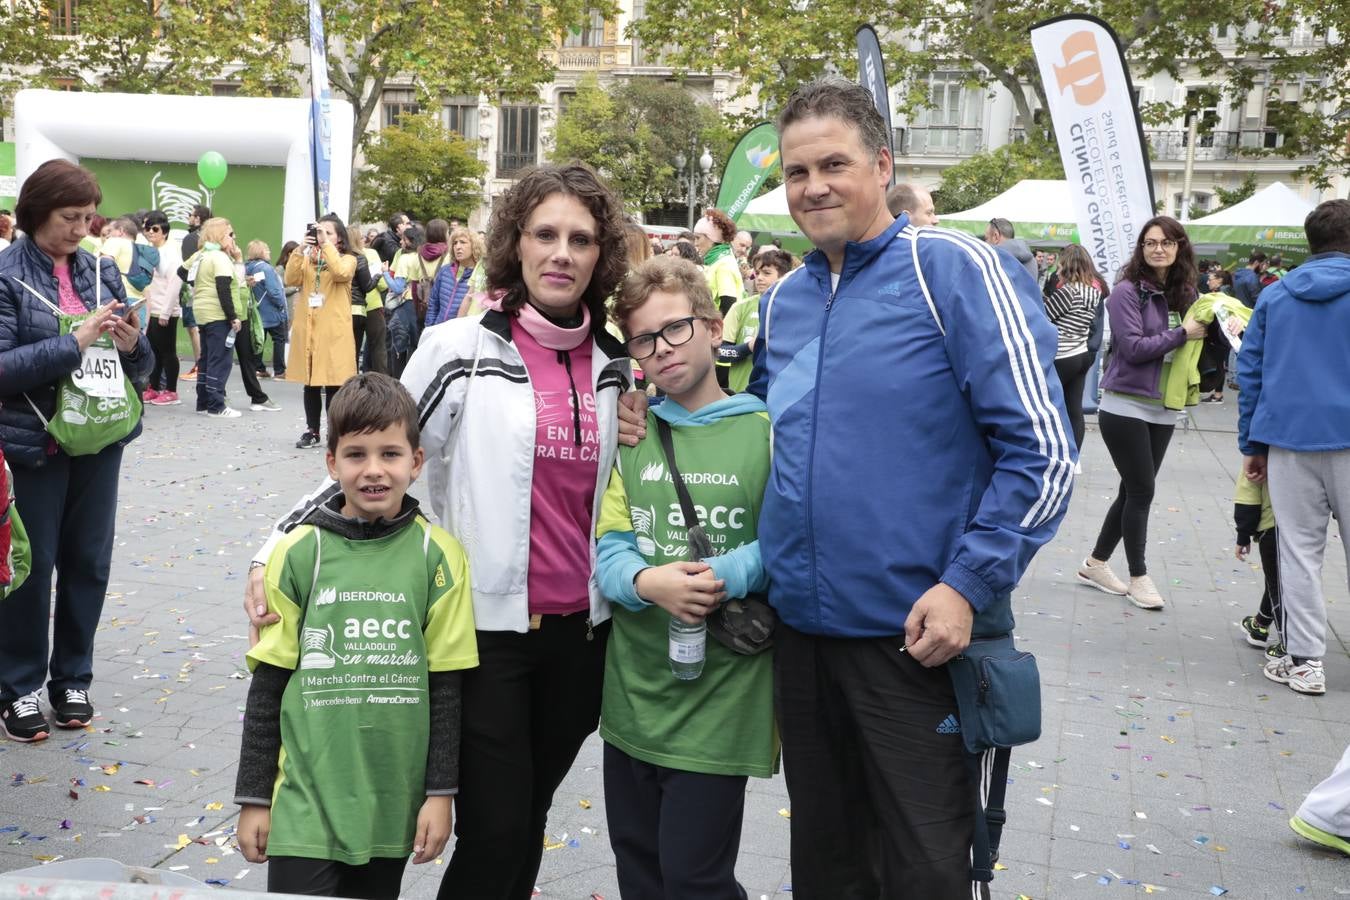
pixel 100 374
pixel 315 301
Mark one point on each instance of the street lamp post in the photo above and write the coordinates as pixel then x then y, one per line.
pixel 695 179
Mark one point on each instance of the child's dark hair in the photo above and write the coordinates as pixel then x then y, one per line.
pixel 368 403
pixel 779 259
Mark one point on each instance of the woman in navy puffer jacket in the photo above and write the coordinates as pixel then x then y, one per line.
pixel 69 504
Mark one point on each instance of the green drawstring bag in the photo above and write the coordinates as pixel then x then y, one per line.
pixel 250 317
pixel 96 405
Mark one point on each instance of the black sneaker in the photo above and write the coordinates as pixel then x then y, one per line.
pixel 1258 635
pixel 71 708
pixel 1276 651
pixel 22 720
pixel 307 440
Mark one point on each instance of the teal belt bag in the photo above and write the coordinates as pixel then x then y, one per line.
pixel 998 694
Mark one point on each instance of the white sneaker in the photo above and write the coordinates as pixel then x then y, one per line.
pixel 1078 468
pixel 1102 578
pixel 1143 594
pixel 1307 678
pixel 265 406
pixel 228 412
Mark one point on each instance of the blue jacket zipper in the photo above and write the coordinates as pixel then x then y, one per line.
pixel 811 456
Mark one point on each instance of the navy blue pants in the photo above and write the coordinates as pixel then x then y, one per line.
pixel 675 834
pixel 69 507
pixel 280 335
pixel 214 368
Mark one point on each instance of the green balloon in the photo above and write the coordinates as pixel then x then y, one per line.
pixel 211 169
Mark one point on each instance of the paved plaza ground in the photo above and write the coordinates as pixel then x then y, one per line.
pixel 1167 764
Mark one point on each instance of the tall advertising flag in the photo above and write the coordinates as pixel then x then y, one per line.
pixel 872 75
pixel 1100 136
pixel 320 121
pixel 753 160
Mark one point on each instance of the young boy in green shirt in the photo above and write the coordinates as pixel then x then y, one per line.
pixel 742 323
pixel 350 751
pixel 678 752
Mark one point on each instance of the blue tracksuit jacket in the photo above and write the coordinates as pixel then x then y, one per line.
pixel 1293 389
pixel 919 432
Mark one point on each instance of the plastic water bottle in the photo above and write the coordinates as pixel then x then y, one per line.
pixel 229 341
pixel 688 644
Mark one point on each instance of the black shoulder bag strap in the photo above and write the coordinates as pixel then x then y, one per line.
pixel 698 540
pixel 989 812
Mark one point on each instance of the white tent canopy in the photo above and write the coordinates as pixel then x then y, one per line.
pixel 1031 200
pixel 1274 206
pixel 768 212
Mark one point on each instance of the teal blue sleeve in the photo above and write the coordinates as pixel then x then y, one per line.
pixel 741 569
pixel 617 563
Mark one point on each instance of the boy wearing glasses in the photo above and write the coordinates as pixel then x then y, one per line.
pixel 678 752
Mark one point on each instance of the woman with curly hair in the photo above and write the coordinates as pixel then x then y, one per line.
pixel 713 235
pixel 1149 322
pixel 518 410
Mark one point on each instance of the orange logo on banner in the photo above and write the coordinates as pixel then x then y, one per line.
pixel 1082 69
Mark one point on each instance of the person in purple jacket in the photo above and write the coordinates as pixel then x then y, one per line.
pixel 1149 323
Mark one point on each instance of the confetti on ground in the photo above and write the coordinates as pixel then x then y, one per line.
pixel 584 804
pixel 785 813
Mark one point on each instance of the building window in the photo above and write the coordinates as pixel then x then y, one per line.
pixel 64 18
pixel 949 102
pixel 460 115
pixel 397 103
pixel 1203 103
pixel 517 139
pixel 589 34
pixel 951 122
pixel 565 99
pixel 225 90
pixel 1281 112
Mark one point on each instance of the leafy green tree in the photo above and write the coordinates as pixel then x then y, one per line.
pixel 1228 198
pixel 494 47
pixel 142 46
pixel 631 132
pixel 989 39
pixel 984 176
pixel 419 168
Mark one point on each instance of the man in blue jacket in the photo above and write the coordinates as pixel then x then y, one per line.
pixel 921 457
pixel 1294 428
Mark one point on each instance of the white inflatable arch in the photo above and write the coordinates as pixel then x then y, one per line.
pixel 247 131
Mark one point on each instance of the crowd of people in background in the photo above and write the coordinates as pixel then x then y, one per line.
pixel 573 306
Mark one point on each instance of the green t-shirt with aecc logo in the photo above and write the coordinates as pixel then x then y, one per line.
pixel 722 722
pixel 363 622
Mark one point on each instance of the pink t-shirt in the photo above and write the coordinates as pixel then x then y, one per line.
pixel 70 301
pixel 563 487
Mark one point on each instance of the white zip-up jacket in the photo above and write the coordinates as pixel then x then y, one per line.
pixel 476 412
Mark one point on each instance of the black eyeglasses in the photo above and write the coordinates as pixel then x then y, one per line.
pixel 154 228
pixel 641 346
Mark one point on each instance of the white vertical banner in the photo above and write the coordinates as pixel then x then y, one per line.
pixel 320 118
pixel 1097 127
